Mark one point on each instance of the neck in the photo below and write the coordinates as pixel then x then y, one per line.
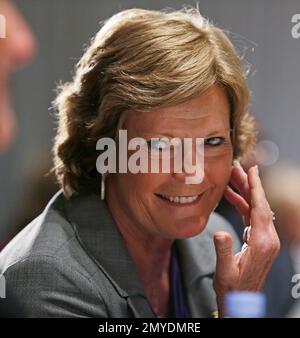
pixel 150 253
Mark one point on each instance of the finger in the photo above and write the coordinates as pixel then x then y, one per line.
pixel 223 247
pixel 239 203
pixel 261 212
pixel 257 193
pixel 239 180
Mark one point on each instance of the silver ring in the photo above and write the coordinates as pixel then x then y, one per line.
pixel 246 234
pixel 273 215
pixel 244 247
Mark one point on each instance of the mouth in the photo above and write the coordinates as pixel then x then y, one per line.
pixel 180 200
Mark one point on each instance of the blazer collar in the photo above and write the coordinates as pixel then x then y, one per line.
pixel 100 237
pixel 197 255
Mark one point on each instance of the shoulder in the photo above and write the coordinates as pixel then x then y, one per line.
pixel 46 268
pixel 44 286
pixel 49 235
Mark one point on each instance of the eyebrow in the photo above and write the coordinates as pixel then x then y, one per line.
pixel 210 133
pixel 218 131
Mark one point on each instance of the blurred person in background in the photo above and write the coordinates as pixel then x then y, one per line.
pixel 282 187
pixel 40 185
pixel 17 47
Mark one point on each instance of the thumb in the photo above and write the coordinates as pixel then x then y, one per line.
pixel 223 245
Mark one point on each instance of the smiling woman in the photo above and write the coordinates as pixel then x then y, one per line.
pixel 139 194
pixel 145 248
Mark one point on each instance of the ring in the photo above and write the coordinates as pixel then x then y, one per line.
pixel 246 234
pixel 244 247
pixel 273 215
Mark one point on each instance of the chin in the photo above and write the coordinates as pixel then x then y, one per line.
pixel 190 227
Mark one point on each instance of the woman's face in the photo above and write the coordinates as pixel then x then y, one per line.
pixel 139 197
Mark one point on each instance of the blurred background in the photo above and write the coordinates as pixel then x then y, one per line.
pixel 260 30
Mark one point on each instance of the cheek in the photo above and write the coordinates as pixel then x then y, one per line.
pixel 218 171
pixel 136 195
pixel 139 187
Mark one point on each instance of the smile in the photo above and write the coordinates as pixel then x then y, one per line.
pixel 180 199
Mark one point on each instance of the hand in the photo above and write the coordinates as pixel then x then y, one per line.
pixel 247 269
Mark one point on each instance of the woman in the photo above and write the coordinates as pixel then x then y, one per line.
pixel 144 248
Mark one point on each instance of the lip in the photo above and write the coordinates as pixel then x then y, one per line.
pixel 177 204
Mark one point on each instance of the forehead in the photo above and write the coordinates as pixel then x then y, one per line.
pixel 206 112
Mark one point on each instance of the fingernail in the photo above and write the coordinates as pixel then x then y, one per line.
pixel 256 170
pixel 221 239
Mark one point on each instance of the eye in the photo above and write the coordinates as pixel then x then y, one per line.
pixel 156 144
pixel 214 141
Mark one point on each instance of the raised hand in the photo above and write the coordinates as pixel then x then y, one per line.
pixel 247 270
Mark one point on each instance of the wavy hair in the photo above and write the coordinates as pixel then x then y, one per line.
pixel 142 60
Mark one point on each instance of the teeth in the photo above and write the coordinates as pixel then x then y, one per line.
pixel 182 200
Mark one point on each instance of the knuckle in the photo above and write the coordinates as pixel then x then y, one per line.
pixel 263 247
pixel 268 246
pixel 264 217
pixel 225 251
pixel 265 251
pixel 276 244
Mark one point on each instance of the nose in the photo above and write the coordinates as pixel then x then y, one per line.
pixel 192 168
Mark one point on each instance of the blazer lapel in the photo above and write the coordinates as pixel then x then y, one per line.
pixel 98 234
pixel 197 260
pixel 100 237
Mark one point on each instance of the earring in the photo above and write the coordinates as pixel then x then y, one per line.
pixel 102 187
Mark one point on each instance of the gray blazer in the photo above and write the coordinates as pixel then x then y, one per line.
pixel 71 261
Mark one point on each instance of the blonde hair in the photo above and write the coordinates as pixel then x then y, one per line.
pixel 141 60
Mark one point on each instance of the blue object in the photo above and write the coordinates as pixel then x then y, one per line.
pixel 245 304
pixel 179 306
